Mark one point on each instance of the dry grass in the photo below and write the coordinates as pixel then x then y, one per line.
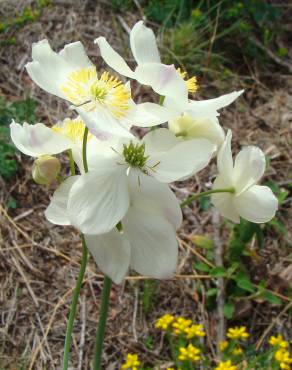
pixel 39 262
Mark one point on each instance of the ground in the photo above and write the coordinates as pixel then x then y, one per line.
pixel 40 262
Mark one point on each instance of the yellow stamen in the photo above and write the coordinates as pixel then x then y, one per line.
pixel 73 129
pixel 191 83
pixel 83 87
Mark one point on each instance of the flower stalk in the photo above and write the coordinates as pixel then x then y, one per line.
pixel 194 197
pixel 102 323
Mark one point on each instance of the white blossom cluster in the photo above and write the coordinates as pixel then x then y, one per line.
pixel 125 181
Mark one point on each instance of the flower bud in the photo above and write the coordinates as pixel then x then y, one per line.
pixel 46 169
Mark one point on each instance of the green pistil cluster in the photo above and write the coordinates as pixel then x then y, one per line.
pixel 134 154
pixel 97 92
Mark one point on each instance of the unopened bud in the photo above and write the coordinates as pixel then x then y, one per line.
pixel 46 169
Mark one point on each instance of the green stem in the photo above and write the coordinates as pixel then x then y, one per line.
pixel 74 304
pixel 102 323
pixel 161 99
pixel 71 162
pixel 191 198
pixel 84 148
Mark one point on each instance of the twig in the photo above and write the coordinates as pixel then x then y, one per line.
pixel 220 281
pixel 274 57
pixel 135 315
pixel 272 324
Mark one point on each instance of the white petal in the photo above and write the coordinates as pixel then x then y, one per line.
pixel 209 106
pixel 191 128
pixel 258 204
pixel 56 212
pixel 184 159
pixel 249 167
pixel 99 199
pixel 164 79
pixel 225 160
pixel 111 252
pixel 48 69
pixel 75 55
pixel 36 140
pixel 224 201
pixel 148 114
pixel 113 59
pixel 148 194
pixel 153 242
pixel 143 44
pixel 160 140
pixel 102 124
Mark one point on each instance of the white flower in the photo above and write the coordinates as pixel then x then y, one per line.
pixel 164 79
pixel 39 140
pixel 70 75
pixel 148 241
pixel 100 198
pixel 253 202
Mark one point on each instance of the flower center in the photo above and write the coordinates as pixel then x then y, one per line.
pixel 134 154
pixel 191 83
pixel 83 87
pixel 73 129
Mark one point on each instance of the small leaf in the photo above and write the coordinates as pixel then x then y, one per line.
pixel 228 310
pixel 243 282
pixel 202 241
pixel 211 292
pixel 218 272
pixel 270 297
pixel 201 266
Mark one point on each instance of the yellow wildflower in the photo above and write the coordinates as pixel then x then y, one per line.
pixel 237 351
pixel 194 331
pixel 164 321
pixel 226 365
pixel 189 353
pixel 223 345
pixel 282 356
pixel 237 333
pixel 180 324
pixel 278 341
pixel 132 362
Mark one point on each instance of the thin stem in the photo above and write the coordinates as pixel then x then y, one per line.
pixel 191 198
pixel 84 148
pixel 74 304
pixel 71 162
pixel 76 294
pixel 161 99
pixel 102 323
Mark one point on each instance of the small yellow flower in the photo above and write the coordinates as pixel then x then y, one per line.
pixel 164 322
pixel 191 83
pixel 132 362
pixel 237 351
pixel 278 341
pixel 226 365
pixel 237 333
pixel 223 345
pixel 194 331
pixel 180 325
pixel 282 356
pixel 189 353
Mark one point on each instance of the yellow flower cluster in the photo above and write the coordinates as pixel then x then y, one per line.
pixel 189 353
pixel 223 345
pixel 278 341
pixel 180 325
pixel 132 362
pixel 194 331
pixel 226 365
pixel 237 333
pixel 282 356
pixel 164 322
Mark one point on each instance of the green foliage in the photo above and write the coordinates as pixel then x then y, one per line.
pixel 20 111
pixel 148 295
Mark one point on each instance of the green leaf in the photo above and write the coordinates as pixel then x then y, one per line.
pixel 218 272
pixel 228 309
pixel 270 297
pixel 211 292
pixel 202 241
pixel 201 266
pixel 243 282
